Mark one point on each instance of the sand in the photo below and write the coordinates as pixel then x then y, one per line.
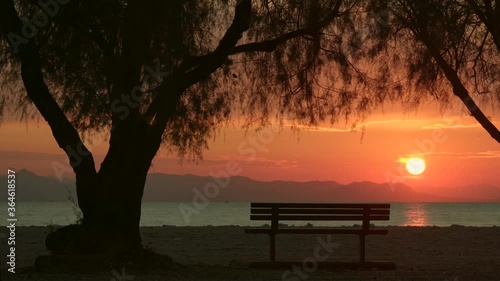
pixel 223 253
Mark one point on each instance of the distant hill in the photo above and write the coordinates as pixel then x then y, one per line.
pixel 166 187
pixel 31 187
pixel 480 192
pixel 180 188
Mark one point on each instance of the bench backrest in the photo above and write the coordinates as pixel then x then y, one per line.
pixel 276 212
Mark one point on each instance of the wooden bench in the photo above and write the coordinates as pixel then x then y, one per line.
pixel 276 212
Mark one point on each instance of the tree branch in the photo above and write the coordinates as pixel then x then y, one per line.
pixel 272 44
pixel 490 17
pixel 210 62
pixel 163 106
pixel 459 89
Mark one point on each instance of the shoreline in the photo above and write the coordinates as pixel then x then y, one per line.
pixel 455 251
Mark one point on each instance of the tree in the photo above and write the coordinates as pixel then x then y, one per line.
pixel 154 72
pixel 454 40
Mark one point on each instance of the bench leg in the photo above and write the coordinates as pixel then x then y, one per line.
pixel 361 248
pixel 272 247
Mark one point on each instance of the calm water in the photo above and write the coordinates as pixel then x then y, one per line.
pixel 218 213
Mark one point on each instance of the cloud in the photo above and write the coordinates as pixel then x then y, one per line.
pixel 454 122
pixel 355 127
pixel 457 122
pixel 327 129
pixel 256 162
pixel 449 126
pixel 489 154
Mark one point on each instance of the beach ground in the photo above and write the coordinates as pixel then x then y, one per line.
pixel 454 253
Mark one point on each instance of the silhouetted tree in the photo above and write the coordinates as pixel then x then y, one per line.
pixel 153 72
pixel 455 40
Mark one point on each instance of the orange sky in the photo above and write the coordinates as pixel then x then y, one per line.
pixel 456 149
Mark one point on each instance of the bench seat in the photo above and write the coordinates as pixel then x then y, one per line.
pixel 315 231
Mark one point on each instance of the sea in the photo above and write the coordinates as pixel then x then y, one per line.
pixel 238 213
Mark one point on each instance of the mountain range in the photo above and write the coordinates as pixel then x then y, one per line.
pixel 181 188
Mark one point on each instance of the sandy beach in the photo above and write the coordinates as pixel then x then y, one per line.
pixel 224 253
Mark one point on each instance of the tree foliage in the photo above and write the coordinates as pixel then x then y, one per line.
pixel 452 42
pixel 299 61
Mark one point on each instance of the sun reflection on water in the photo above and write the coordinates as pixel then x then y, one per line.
pixel 416 215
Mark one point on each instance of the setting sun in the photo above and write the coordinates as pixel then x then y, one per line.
pixel 415 166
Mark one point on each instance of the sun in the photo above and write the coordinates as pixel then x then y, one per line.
pixel 415 166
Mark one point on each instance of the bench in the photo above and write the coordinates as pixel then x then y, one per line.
pixel 276 212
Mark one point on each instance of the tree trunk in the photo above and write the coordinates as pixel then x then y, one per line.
pixel 111 221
